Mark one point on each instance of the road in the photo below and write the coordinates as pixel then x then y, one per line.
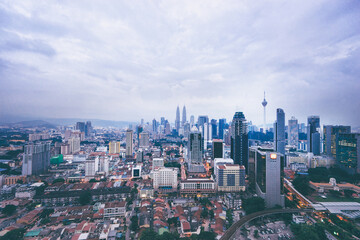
pixel 228 234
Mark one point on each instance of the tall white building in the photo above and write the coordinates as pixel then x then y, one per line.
pixel 269 171
pixel 74 144
pixel 91 166
pixel 129 143
pixel 165 178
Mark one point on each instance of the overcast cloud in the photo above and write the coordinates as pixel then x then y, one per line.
pixel 126 60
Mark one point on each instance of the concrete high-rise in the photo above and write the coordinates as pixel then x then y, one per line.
pixel 144 139
pixel 88 129
pixel 36 158
pixel 269 177
pixel 239 140
pixel 279 128
pixel 313 135
pixel 129 142
pixel 177 120
pixel 331 135
pixel 114 147
pixel 293 132
pixel 183 116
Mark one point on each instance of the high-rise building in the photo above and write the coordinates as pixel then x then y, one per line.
pixel 114 147
pixel 140 156
pixel 217 148
pixel 279 127
pixel 74 144
pixel 264 103
pixel 195 146
pixel 331 134
pixel 177 120
pixel 144 139
pixel 239 140
pixel 214 128
pixel 186 130
pixel 192 121
pixel 165 179
pixel 88 129
pixel 348 152
pixel 36 158
pixel 80 126
pixel 230 178
pixel 91 166
pixel 313 135
pixel 269 177
pixel 155 126
pixel 293 132
pixel 222 123
pixel 129 143
pixel 183 116
pixel 202 120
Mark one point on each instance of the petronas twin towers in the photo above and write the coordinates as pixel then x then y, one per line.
pixel 177 120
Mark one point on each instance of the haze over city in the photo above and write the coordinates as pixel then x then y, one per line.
pixel 120 60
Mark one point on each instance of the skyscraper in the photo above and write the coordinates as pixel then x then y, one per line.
pixel 144 139
pixel 222 123
pixel 313 141
pixel 239 140
pixel 293 132
pixel 192 120
pixel 155 125
pixel 348 152
pixel 264 103
pixel 129 142
pixel 269 171
pixel 177 120
pixel 279 127
pixel 183 116
pixel 214 128
pixel 80 126
pixel 195 146
pixel 331 135
pixel 36 158
pixel 88 129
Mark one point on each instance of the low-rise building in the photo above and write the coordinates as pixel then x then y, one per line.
pixel 197 186
pixel 114 209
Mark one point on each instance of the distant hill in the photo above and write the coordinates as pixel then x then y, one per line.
pixel 94 122
pixel 30 124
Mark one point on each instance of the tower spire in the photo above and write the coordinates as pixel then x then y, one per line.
pixel 264 103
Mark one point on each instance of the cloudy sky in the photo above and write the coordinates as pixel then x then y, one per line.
pixel 126 60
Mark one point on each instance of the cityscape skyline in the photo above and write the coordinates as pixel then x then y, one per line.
pixel 217 60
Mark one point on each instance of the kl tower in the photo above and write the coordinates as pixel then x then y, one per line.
pixel 264 103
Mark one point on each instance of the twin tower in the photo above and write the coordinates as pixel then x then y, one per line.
pixel 177 120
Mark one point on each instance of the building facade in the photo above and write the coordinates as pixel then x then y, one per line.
pixel 36 158
pixel 230 178
pixel 293 132
pixel 239 140
pixel 279 130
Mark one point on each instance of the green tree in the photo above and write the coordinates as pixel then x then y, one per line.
pixel 254 204
pixel 205 213
pixel 301 183
pixel 14 234
pixel 85 198
pixel 134 223
pixel 211 214
pixel 61 180
pixel 148 234
pixel 256 233
pixel 9 210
